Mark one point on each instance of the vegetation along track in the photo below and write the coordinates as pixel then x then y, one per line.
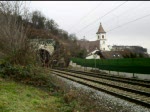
pixel 134 93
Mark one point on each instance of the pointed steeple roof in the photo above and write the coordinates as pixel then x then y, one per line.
pixel 100 30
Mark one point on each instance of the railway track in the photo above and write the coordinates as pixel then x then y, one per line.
pixel 132 92
pixel 140 82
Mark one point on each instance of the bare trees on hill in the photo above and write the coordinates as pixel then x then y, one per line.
pixel 14 44
pixel 18 25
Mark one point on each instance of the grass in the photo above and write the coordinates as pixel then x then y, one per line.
pixel 16 97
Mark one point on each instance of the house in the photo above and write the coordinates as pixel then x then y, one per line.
pixel 137 49
pixel 99 49
pixel 98 45
pixel 93 55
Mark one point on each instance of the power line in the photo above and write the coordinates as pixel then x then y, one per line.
pixel 128 22
pixel 117 16
pixel 85 16
pixel 102 16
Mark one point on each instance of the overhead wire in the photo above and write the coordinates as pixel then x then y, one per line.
pixel 129 22
pixel 116 16
pixel 128 10
pixel 102 16
pixel 85 15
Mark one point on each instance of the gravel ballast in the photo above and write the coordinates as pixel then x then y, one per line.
pixel 113 104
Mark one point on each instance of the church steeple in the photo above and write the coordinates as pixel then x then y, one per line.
pixel 100 30
pixel 101 36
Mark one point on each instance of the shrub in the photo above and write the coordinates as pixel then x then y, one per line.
pixel 29 74
pixel 14 42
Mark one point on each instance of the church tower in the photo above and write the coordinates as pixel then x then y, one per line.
pixel 101 36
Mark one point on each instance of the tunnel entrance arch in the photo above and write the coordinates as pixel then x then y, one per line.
pixel 44 57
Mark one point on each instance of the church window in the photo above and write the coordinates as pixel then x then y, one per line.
pixel 103 42
pixel 102 36
pixel 98 36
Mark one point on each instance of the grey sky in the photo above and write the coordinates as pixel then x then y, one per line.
pixel 73 16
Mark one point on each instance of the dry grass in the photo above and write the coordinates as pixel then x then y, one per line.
pixel 78 99
pixel 16 97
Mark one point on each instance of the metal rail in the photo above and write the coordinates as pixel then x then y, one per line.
pixel 132 81
pixel 133 95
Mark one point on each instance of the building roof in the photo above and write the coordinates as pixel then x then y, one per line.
pixel 89 45
pixel 111 54
pixel 100 30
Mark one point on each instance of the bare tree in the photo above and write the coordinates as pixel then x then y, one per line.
pixel 14 44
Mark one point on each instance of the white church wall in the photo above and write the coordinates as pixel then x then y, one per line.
pixel 104 47
pixel 103 41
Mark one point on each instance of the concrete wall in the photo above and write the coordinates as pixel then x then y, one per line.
pixel 124 74
pixel 49 48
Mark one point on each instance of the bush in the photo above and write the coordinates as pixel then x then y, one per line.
pixel 15 45
pixel 29 74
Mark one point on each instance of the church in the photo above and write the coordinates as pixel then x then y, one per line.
pixel 99 49
pixel 101 37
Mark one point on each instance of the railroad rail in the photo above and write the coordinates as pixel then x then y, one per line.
pixel 133 81
pixel 129 91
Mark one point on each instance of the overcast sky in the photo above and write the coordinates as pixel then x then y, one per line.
pixel 83 19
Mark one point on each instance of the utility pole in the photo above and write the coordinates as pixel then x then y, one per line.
pixel 85 58
pixel 95 55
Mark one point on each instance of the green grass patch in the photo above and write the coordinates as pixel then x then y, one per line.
pixel 33 90
pixel 16 97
